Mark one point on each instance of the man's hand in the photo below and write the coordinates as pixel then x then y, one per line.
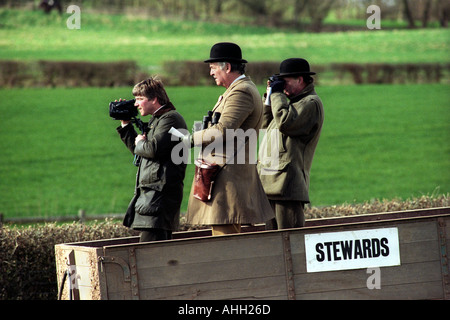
pixel 124 122
pixel 140 137
pixel 277 84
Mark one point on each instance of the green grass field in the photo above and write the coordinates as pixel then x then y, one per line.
pixel 60 151
pixel 28 35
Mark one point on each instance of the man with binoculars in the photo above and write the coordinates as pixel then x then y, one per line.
pixel 294 111
pixel 236 196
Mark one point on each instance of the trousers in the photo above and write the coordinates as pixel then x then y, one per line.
pixel 288 214
pixel 155 234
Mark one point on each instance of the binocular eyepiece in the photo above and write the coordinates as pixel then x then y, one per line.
pixel 211 117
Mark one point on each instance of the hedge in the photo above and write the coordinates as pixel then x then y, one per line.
pixel 192 73
pixel 68 74
pixel 385 73
pixel 27 254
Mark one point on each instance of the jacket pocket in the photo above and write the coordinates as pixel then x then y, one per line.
pixel 275 180
pixel 150 202
pixel 150 172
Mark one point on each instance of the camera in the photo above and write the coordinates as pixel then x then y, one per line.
pixel 275 78
pixel 123 110
pixel 279 86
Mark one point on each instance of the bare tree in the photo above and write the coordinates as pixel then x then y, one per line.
pixel 258 6
pixel 408 14
pixel 426 13
pixel 299 7
pixel 443 12
pixel 318 10
pixel 218 7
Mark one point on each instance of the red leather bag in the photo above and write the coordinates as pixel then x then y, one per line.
pixel 205 175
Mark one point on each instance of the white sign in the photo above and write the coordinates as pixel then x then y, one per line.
pixel 352 249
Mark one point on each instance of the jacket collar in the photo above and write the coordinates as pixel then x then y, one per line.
pixel 164 109
pixel 309 89
pixel 242 76
pixel 225 94
pixel 236 82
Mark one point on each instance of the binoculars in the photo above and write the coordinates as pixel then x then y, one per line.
pixel 211 117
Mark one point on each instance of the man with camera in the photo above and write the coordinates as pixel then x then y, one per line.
pixel 295 112
pixel 155 208
pixel 236 196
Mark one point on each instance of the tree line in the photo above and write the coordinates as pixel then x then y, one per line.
pixel 298 14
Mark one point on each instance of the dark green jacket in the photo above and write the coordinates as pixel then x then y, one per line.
pixel 159 181
pixel 287 150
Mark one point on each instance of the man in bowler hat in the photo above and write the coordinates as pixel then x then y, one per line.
pixel 294 110
pixel 237 196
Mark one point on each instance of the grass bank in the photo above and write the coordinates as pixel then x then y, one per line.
pixel 32 35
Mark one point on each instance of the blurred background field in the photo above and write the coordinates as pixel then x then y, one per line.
pixel 60 151
pixel 28 35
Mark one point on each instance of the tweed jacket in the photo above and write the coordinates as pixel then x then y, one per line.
pixel 238 196
pixel 159 181
pixel 287 149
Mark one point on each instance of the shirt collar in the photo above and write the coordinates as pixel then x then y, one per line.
pixel 242 76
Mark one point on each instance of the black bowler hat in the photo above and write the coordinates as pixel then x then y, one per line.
pixel 226 52
pixel 294 66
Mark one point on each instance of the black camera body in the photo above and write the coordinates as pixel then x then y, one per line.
pixel 275 78
pixel 123 110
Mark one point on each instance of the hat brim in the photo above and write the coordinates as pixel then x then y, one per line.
pixel 291 74
pixel 225 59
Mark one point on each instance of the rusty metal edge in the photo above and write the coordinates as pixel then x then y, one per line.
pixel 134 274
pixel 74 293
pixel 290 284
pixel 443 249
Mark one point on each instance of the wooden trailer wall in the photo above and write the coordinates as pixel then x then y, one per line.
pixel 255 265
